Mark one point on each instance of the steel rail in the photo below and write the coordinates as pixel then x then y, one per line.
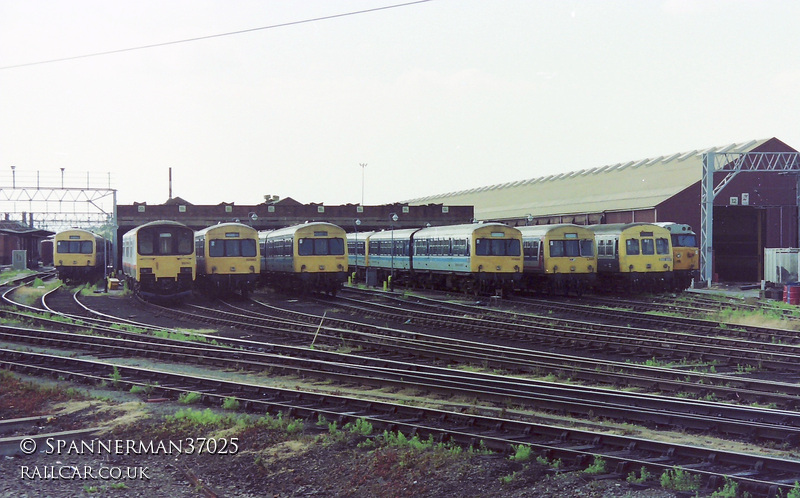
pixel 758 473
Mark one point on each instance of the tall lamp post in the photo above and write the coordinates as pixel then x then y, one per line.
pixel 356 224
pixel 363 168
pixel 393 217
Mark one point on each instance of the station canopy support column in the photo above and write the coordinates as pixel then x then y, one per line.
pixel 731 164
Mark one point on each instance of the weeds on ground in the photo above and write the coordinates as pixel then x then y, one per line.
pixel 597 467
pixel 189 398
pixel 677 479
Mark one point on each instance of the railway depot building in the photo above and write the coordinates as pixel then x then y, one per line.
pixel 754 208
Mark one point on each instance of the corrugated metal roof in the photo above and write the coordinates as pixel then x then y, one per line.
pixel 638 184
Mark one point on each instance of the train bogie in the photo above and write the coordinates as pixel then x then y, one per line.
pixel 228 259
pixel 80 255
pixel 311 257
pixel 158 259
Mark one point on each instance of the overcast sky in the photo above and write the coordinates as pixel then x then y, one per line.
pixel 434 97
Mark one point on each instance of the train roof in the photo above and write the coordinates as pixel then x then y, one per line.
pixel 615 228
pixel 225 226
pixel 464 230
pixel 397 233
pixel 675 227
pixel 294 228
pixel 529 231
pixel 157 223
pixel 360 235
pixel 76 230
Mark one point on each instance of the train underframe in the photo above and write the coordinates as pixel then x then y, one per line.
pixel 559 283
pixel 306 282
pixel 683 279
pixel 636 282
pixel 475 283
pixel 217 285
pixel 151 287
pixel 79 274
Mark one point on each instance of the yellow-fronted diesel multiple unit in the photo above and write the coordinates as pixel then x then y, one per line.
pixel 308 257
pixel 158 259
pixel 80 255
pixel 559 258
pixel 228 259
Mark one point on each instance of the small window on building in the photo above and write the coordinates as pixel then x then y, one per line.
pixel 140 208
pixel 270 209
pixel 320 209
pixel 445 209
pixel 359 209
pixel 228 209
pixel 181 209
pixel 405 209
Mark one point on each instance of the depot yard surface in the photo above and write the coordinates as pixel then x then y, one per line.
pixel 276 457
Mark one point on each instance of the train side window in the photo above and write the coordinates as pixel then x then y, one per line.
pixel 513 247
pixel 481 247
pixel 587 248
pixel 632 247
pixel 662 246
pixel 648 246
pixel 421 247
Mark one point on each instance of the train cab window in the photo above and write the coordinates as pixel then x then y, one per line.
pixel 320 247
pixel 648 246
pixel 146 243
pixel 684 240
pixel 165 243
pixel 336 246
pixel 632 247
pixel 185 240
pixel 587 248
pixel 233 248
pixel 249 248
pixel 662 246
pixel 562 248
pixel 216 248
pixel 497 247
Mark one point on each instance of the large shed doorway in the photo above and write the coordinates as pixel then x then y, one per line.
pixel 739 235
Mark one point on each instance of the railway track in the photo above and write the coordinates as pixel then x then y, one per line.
pixel 302 329
pixel 310 327
pixel 576 447
pixel 549 397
